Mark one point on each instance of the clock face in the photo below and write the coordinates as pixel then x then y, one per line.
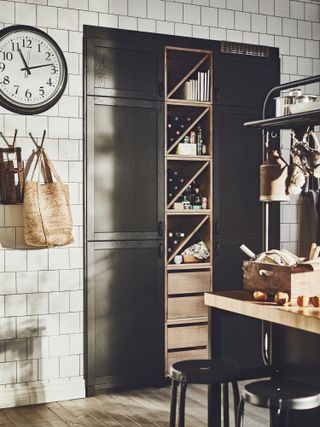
pixel 33 71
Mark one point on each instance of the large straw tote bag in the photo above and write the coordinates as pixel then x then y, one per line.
pixel 46 211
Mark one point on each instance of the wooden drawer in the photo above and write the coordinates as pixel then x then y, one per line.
pixel 189 282
pixel 187 336
pixel 187 307
pixel 176 356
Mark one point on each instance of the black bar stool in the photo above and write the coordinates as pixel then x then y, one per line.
pixel 280 397
pixel 202 372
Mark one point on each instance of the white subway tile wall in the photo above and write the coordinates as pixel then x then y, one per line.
pixel 41 291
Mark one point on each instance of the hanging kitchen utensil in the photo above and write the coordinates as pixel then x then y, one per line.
pixel 273 177
pixel 11 172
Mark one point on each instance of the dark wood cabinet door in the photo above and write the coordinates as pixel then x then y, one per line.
pixel 124 169
pixel 125 313
pixel 238 211
pixel 122 68
pixel 244 81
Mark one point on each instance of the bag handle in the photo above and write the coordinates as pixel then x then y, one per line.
pixel 43 163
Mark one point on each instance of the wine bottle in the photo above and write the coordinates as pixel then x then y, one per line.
pixel 197 200
pixel 199 140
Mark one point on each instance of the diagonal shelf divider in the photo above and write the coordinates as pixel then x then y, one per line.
pixel 204 112
pixel 188 238
pixel 203 167
pixel 184 79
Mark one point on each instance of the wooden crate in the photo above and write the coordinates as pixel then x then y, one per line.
pixel 271 278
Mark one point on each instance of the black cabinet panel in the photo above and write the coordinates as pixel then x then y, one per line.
pixel 124 69
pixel 126 285
pixel 125 169
pixel 238 211
pixel 244 81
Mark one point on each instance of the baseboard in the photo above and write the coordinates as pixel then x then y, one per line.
pixel 31 395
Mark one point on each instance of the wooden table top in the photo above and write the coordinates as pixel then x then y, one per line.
pixel 241 302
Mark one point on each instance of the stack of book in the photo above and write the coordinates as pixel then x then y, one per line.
pixel 198 89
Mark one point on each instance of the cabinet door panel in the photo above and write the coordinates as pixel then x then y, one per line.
pixel 238 211
pixel 125 283
pixel 124 69
pixel 125 170
pixel 243 80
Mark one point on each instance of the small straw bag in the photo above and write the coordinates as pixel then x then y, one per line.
pixel 46 212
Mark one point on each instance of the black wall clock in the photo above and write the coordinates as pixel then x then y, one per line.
pixel 33 70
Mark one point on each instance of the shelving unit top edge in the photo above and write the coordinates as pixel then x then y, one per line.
pixel 189 49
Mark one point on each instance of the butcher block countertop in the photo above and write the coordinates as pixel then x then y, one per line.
pixel 241 302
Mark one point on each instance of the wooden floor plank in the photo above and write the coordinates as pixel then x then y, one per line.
pixel 5 420
pixel 132 408
pixel 116 411
pixel 64 415
pixel 93 405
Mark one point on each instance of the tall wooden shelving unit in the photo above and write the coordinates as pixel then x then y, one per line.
pixel 186 316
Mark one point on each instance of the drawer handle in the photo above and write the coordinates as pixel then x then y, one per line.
pixel 265 273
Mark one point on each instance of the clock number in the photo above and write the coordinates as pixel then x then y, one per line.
pixel 15 46
pixel 53 69
pixel 17 88
pixel 2 66
pixel 27 43
pixel 39 47
pixel 7 56
pixel 28 94
pixel 49 82
pixel 41 91
pixel 5 80
pixel 48 56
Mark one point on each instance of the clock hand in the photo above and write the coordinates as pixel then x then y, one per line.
pixel 35 66
pixel 27 69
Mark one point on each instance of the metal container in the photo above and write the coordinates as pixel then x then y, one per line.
pixel 282 104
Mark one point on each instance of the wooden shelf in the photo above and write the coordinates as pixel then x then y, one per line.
pixel 188 321
pixel 189 212
pixel 189 128
pixel 288 122
pixel 178 157
pixel 191 266
pixel 183 243
pixel 189 181
pixel 188 103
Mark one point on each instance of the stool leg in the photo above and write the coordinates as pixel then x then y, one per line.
pixel 225 388
pixel 173 406
pixel 240 412
pixel 275 414
pixel 183 389
pixel 236 399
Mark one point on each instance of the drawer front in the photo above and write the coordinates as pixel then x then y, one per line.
pixel 187 336
pixel 187 307
pixel 177 356
pixel 189 282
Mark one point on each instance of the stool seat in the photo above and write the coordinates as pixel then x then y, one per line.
pixel 203 371
pixel 281 397
pixel 287 394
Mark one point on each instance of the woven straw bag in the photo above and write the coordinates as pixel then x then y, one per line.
pixel 46 210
